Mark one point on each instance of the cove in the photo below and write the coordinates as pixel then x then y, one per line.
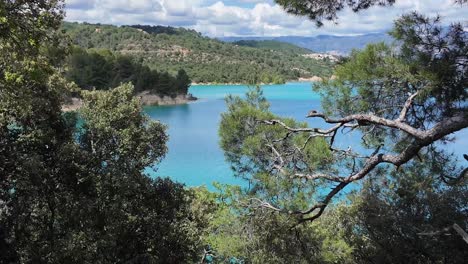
pixel 194 156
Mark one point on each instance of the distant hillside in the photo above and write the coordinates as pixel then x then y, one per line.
pixel 205 60
pixel 273 45
pixel 323 43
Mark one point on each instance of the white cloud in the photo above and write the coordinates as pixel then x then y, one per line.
pixel 220 14
pixel 80 4
pixel 251 1
pixel 182 8
pixel 130 6
pixel 249 17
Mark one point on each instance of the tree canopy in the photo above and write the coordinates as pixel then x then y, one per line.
pixel 103 70
pixel 73 189
pixel 327 10
pixel 404 102
pixel 400 100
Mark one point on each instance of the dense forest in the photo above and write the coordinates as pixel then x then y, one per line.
pixel 103 69
pixel 205 60
pixel 73 186
pixel 273 45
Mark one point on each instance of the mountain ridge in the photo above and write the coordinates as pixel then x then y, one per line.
pixel 336 44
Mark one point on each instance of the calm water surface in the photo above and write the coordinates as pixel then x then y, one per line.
pixel 195 157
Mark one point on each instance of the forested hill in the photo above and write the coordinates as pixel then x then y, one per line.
pixel 102 69
pixel 323 43
pixel 273 45
pixel 205 60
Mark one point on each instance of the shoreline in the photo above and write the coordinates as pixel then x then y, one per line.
pixel 148 99
pixel 145 98
pixel 301 79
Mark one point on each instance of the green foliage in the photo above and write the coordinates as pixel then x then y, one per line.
pixel 222 229
pixel 27 24
pixel 74 193
pixel 273 45
pixel 102 69
pixel 78 194
pixel 397 214
pixel 183 81
pixel 263 236
pixel 327 10
pixel 205 60
pixel 433 54
pixel 33 134
pixel 123 136
pixel 384 220
pixel 379 78
pixel 138 219
pixel 359 76
pixel 381 222
pixel 252 148
pixel 165 30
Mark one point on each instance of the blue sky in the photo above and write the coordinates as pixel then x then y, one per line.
pixel 218 18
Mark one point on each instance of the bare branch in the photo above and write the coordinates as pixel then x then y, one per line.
pixel 443 231
pixel 278 155
pixel 446 230
pixel 461 232
pixel 263 204
pixel 454 180
pixel 367 119
pixel 407 105
pixel 321 206
pixel 320 176
pixel 306 129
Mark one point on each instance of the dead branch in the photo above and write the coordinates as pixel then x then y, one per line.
pixel 407 105
pixel 447 230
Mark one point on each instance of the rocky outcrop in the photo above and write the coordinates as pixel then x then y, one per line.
pixel 72 104
pixel 316 79
pixel 322 56
pixel 148 98
pixel 311 79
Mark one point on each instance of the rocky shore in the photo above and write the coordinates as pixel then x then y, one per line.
pixel 146 98
pixel 301 79
pixel 72 104
pixel 315 79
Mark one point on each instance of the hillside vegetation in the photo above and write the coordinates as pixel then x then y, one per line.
pixel 103 69
pixel 205 60
pixel 273 45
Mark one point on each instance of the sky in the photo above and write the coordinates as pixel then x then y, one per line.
pixel 224 18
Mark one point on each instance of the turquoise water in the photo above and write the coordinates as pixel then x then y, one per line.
pixel 194 156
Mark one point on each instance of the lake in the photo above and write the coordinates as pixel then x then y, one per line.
pixel 194 156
